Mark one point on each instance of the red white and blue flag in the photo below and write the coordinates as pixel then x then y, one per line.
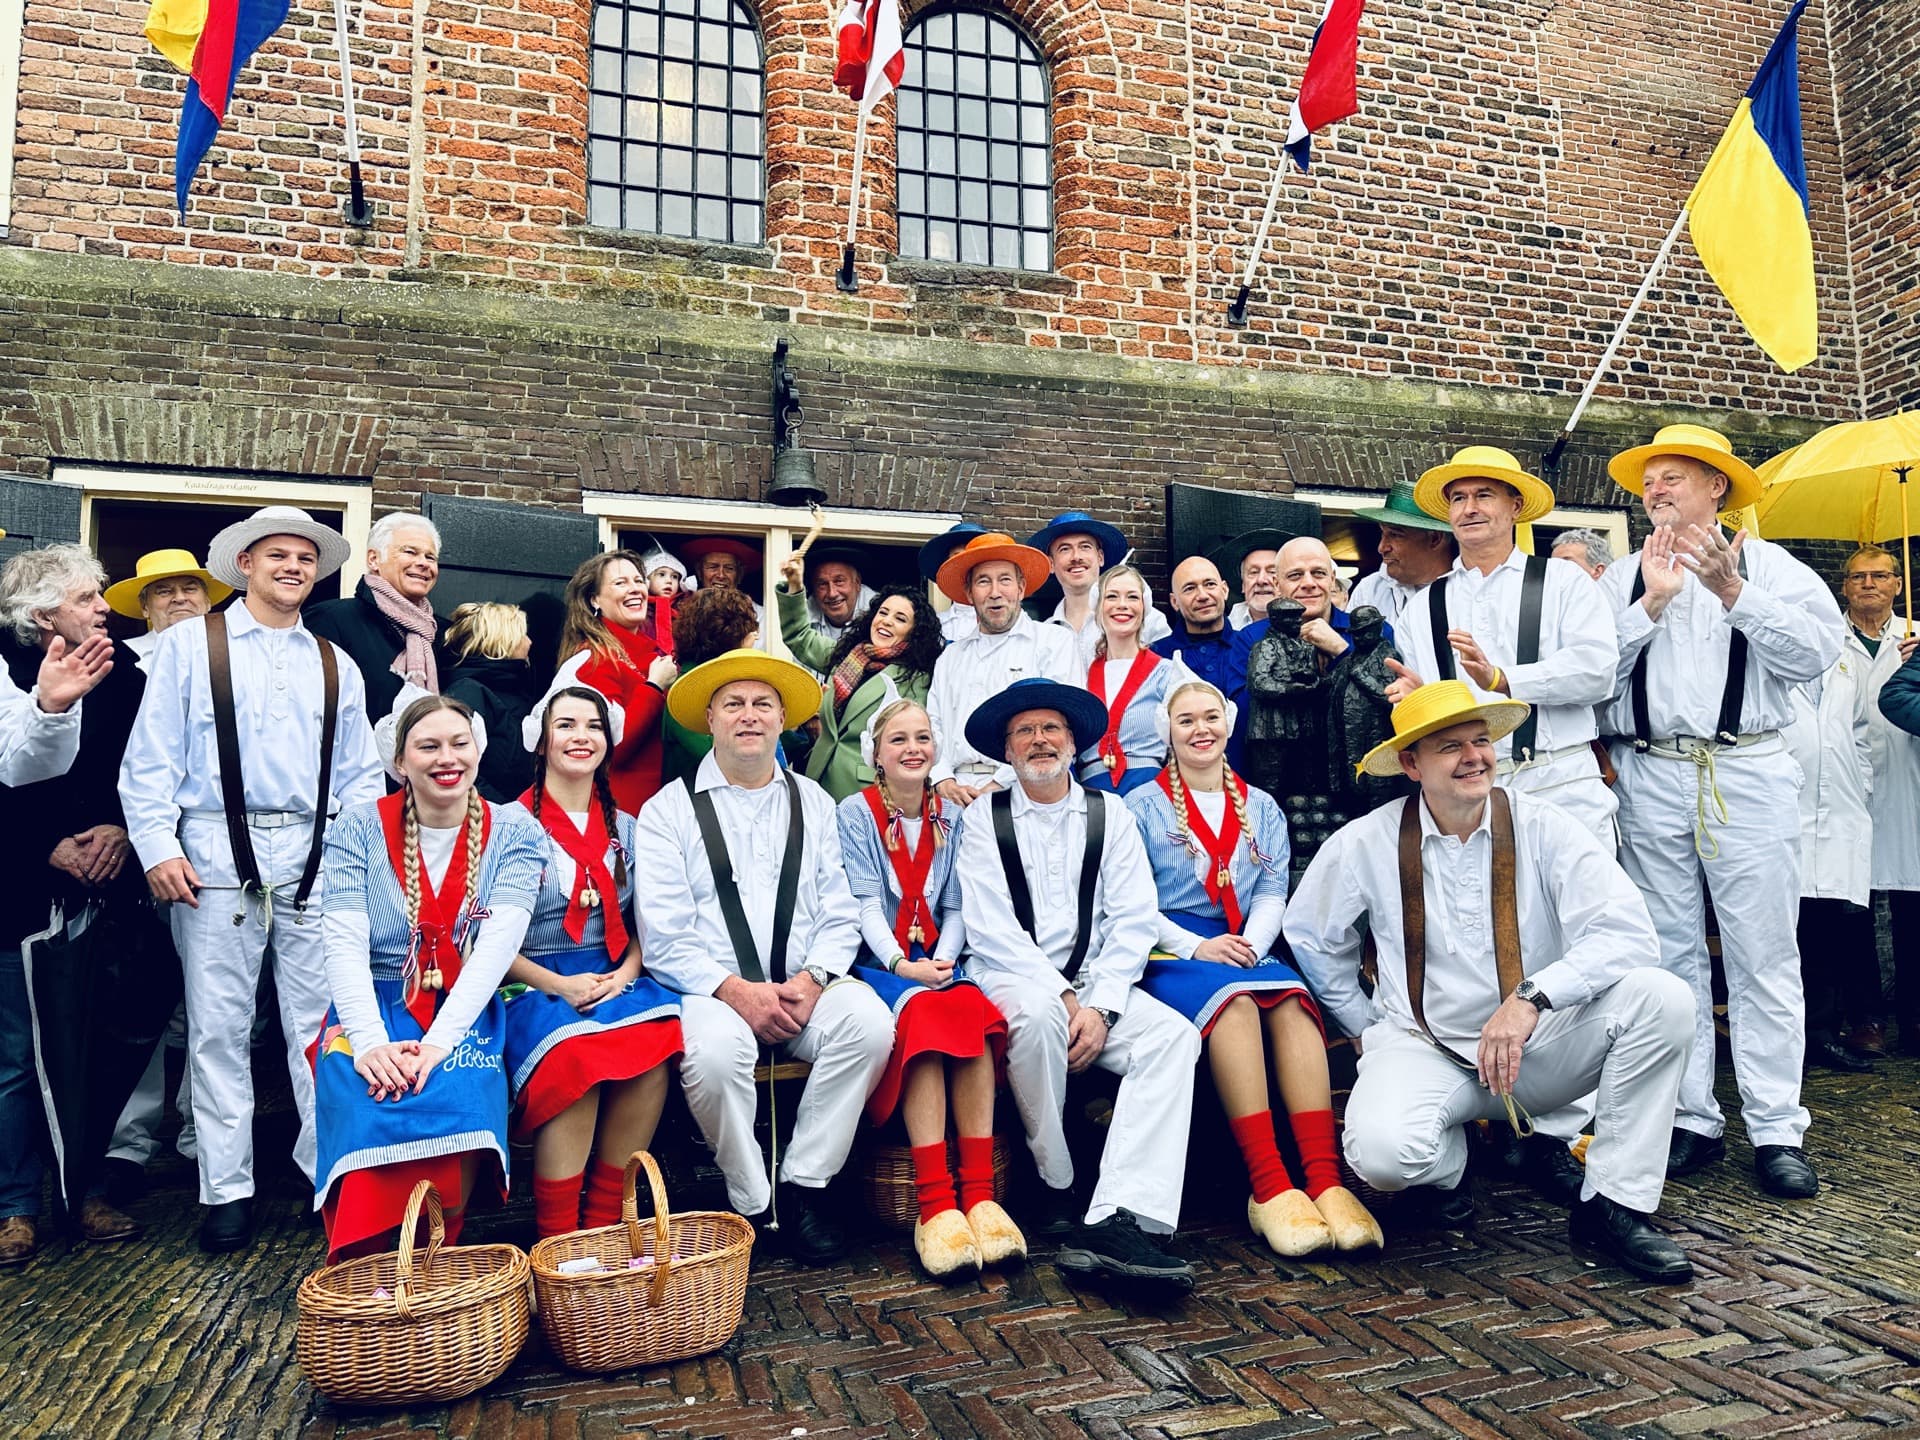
pixel 871 57
pixel 1329 89
pixel 234 29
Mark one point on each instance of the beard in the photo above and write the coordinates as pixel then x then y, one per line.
pixel 1041 772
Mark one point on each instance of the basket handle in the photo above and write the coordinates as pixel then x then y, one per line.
pixel 662 1229
pixel 423 1194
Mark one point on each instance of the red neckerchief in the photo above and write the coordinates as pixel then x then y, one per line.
pixel 661 608
pixel 432 950
pixel 589 856
pixel 1109 746
pixel 910 869
pixel 1218 849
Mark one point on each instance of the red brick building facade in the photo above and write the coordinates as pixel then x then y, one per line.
pixel 1450 270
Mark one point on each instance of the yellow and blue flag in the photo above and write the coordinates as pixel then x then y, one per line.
pixel 1748 213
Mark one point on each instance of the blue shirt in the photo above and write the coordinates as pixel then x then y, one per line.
pixel 1220 659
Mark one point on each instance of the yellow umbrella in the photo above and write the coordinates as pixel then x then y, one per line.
pixel 1849 482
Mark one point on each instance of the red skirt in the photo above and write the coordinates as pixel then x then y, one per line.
pixel 959 1021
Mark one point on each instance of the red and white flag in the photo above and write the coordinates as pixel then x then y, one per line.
pixel 871 58
pixel 1329 89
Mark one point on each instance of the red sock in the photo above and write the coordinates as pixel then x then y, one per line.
pixel 1265 1168
pixel 556 1205
pixel 976 1170
pixel 931 1179
pixel 606 1187
pixel 1319 1153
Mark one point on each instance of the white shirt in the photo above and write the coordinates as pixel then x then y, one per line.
pixel 970 670
pixel 33 744
pixel 1153 627
pixel 172 764
pixel 1794 634
pixel 1385 594
pixel 1831 738
pixel 1579 652
pixel 1582 922
pixel 1896 765
pixel 957 622
pixel 687 945
pixel 1053 839
pixel 142 647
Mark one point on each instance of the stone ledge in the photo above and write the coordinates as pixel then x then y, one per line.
pixel 944 275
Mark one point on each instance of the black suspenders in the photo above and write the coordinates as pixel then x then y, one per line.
pixel 1533 590
pixel 727 889
pixel 1731 697
pixel 1002 807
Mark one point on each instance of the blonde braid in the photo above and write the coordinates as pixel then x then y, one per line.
pixel 476 845
pixel 410 860
pixel 1178 785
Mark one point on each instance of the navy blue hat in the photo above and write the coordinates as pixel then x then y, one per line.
pixel 934 553
pixel 1113 545
pixel 987 726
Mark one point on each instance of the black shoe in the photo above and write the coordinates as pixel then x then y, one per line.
pixel 1052 1214
pixel 1625 1237
pixel 1783 1170
pixel 807 1233
pixel 1428 1207
pixel 228 1227
pixel 126 1181
pixel 1831 1055
pixel 1691 1152
pixel 1118 1246
pixel 1551 1169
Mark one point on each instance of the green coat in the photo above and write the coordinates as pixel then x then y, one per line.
pixel 835 759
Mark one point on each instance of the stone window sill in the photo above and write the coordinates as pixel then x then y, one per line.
pixel 676 247
pixel 975 277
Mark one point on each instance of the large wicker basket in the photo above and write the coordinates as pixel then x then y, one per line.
pixel 387 1330
pixel 888 1176
pixel 686 1300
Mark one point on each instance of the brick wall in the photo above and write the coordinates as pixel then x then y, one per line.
pixel 1481 224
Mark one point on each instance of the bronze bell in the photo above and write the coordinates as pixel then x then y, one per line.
pixel 793 480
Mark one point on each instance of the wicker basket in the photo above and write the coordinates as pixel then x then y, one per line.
pixel 892 1198
pixel 445 1327
pixel 686 1302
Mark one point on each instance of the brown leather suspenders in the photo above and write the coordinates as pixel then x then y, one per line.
pixel 226 738
pixel 1413 907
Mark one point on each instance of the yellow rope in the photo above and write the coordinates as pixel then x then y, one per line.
pixel 1705 845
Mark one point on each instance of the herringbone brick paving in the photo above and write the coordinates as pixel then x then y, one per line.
pixel 1803 1319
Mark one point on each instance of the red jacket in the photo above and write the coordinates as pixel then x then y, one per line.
pixel 635 771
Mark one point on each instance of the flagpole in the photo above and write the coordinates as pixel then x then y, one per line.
pixel 1237 312
pixel 845 280
pixel 357 212
pixel 1552 458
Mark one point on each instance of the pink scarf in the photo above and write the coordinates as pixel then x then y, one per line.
pixel 415 661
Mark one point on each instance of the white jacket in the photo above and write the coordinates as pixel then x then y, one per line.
pixel 1831 738
pixel 1896 768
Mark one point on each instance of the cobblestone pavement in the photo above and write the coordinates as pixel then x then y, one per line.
pixel 1803 1319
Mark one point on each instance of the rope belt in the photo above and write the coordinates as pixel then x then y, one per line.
pixel 1710 807
pixel 1510 766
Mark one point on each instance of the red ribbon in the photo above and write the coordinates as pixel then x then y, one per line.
pixel 588 850
pixel 1218 849
pixel 910 868
pixel 661 607
pixel 432 944
pixel 1109 746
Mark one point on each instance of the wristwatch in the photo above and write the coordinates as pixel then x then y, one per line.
pixel 1531 993
pixel 1112 1017
pixel 818 974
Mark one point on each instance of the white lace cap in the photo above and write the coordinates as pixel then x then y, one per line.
pixel 386 730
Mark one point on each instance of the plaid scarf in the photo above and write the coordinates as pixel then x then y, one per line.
pixel 861 662
pixel 415 661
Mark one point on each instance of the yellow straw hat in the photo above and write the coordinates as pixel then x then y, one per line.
pixel 124 597
pixel 1696 442
pixel 1483 462
pixel 799 690
pixel 1435 707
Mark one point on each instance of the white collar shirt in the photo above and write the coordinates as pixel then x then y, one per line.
pixel 142 647
pixel 172 762
pixel 1794 634
pixel 970 670
pixel 1385 594
pixel 1053 841
pixel 34 745
pixel 1582 923
pixel 1153 627
pixel 688 947
pixel 1896 765
pixel 1579 651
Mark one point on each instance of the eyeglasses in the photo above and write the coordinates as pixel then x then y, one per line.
pixel 1050 730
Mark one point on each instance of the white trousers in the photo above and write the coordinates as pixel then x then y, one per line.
pixel 846 1040
pixel 1154 1048
pixel 1754 880
pixel 134 1136
pixel 1410 1104
pixel 1573 783
pixel 221 962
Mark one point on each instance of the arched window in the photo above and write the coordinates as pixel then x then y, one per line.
pixel 975 131
pixel 675 127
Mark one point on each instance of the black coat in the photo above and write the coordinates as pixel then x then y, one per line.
pixel 35 818
pixel 357 627
pixel 502 693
